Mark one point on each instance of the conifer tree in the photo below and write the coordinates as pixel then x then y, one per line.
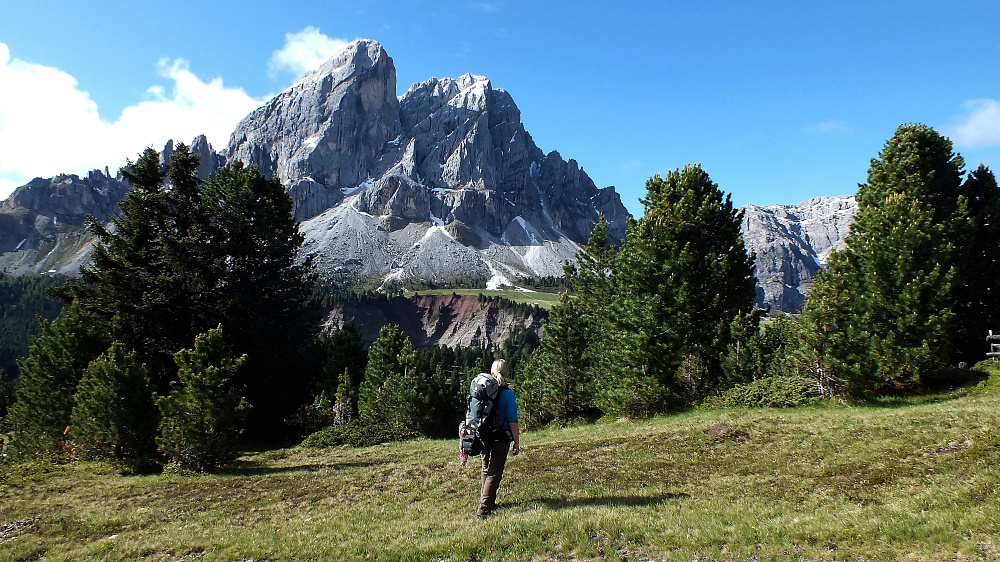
pixel 202 416
pixel 389 391
pixel 265 293
pixel 683 274
pixel 154 270
pixel 558 382
pixel 128 275
pixel 343 356
pixel 49 377
pixel 976 252
pixel 559 379
pixel 881 316
pixel 113 414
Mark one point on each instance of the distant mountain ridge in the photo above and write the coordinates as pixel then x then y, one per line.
pixel 440 183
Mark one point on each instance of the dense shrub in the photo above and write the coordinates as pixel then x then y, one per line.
pixel 357 434
pixel 992 382
pixel 771 392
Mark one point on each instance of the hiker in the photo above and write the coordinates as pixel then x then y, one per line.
pixel 495 451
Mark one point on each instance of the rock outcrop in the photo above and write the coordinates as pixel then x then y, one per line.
pixel 442 182
pixel 792 243
pixel 454 321
pixel 42 223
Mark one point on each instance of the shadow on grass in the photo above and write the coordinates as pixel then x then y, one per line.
pixel 248 468
pixel 609 501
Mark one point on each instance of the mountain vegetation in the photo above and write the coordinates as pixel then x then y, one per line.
pixel 651 321
pixel 194 336
pixel 910 296
pixel 899 479
pixel 22 300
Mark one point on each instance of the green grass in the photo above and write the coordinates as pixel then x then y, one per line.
pixel 544 300
pixel 910 481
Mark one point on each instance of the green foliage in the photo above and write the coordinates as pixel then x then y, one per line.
pixel 357 434
pixel 180 260
pixel 49 377
pixel 22 300
pixel 558 383
pixel 113 414
pixel 880 318
pixel 142 270
pixel 265 293
pixel 759 348
pixel 991 384
pixel 519 308
pixel 202 416
pixel 6 400
pixel 976 287
pixel 388 394
pixel 683 274
pixel 771 392
pixel 343 357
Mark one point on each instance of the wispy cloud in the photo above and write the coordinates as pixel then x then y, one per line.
pixel 631 164
pixel 978 126
pixel 486 7
pixel 831 128
pixel 304 51
pixel 48 125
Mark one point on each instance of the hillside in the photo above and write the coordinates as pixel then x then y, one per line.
pixel 439 319
pixel 895 481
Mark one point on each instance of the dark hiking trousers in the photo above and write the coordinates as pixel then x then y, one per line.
pixel 494 459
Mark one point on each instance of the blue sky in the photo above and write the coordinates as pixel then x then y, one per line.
pixel 779 101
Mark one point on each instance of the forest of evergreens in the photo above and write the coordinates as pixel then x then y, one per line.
pixel 195 329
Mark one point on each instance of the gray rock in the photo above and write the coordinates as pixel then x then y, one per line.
pixel 792 243
pixel 330 126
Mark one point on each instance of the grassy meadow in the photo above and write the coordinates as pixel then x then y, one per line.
pixel 905 480
pixel 542 299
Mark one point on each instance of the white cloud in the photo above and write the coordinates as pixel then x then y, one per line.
pixel 304 51
pixel 829 129
pixel 979 126
pixel 7 186
pixel 487 7
pixel 48 125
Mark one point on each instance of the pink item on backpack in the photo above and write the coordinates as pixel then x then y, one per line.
pixel 462 457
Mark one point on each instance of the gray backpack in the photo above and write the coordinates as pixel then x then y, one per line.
pixel 481 416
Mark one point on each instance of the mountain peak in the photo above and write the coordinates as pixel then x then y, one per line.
pixel 358 56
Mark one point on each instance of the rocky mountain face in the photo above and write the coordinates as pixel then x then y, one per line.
pixel 440 183
pixel 454 321
pixel 42 223
pixel 792 243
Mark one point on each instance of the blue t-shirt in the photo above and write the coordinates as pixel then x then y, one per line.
pixel 506 409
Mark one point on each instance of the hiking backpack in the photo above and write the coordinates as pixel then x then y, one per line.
pixel 482 423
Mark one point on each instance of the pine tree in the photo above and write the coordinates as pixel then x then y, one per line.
pixel 976 252
pixel 682 276
pixel 558 383
pixel 49 377
pixel 154 271
pixel 203 414
pixel 881 316
pixel 113 414
pixel 389 392
pixel 265 293
pixel 343 356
